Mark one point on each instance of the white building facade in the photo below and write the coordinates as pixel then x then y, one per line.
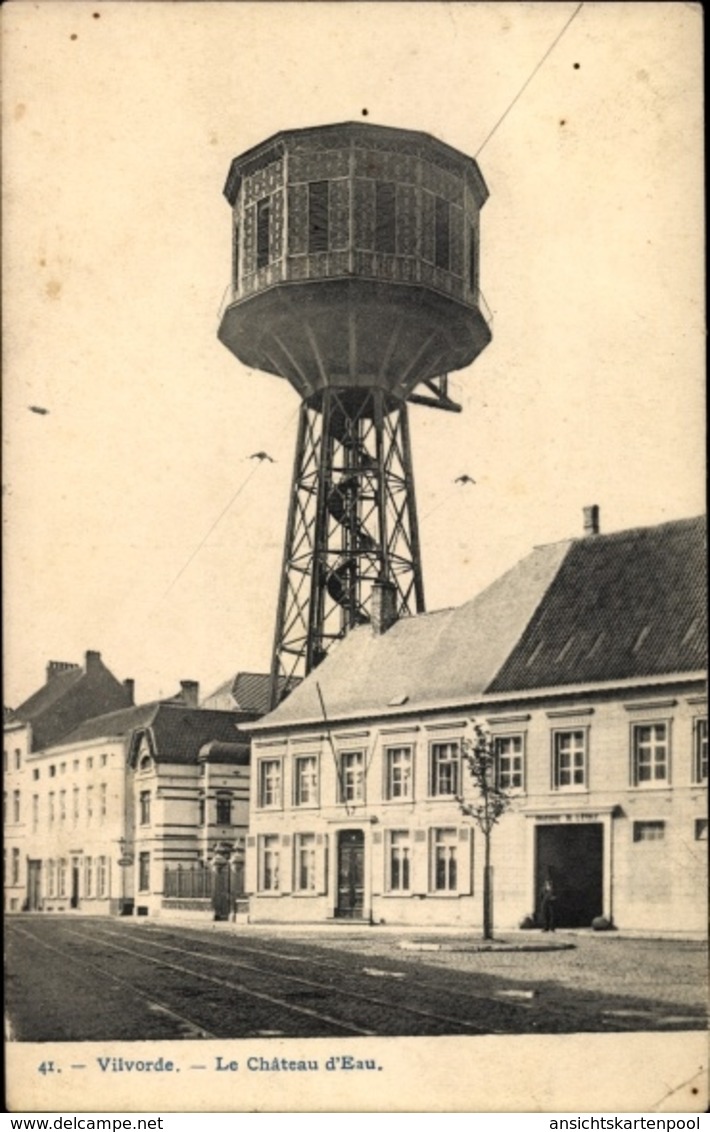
pixel 357 815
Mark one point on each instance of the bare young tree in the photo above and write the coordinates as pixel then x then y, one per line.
pixel 480 756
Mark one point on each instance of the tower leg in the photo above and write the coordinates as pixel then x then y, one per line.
pixel 352 521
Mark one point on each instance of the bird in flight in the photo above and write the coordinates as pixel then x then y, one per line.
pixel 464 479
pixel 261 456
pixel 38 409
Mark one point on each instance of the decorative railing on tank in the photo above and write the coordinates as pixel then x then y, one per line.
pixel 193 883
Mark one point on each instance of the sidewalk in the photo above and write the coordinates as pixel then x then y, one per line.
pixel 427 936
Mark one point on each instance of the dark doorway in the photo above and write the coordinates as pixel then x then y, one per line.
pixel 351 872
pixel 34 886
pixel 572 857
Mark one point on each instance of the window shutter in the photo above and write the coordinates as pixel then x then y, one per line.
pixel 420 862
pixel 250 866
pixel 321 863
pixel 465 860
pixel 378 863
pixel 285 864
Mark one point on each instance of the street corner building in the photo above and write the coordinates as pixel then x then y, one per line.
pixel 136 809
pixel 586 662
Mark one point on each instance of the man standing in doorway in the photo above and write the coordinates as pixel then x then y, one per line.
pixel 547 905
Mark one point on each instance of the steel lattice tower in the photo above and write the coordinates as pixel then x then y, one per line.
pixel 355 277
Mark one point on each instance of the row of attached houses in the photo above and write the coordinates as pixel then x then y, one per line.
pixel 70 694
pixel 586 662
pixel 125 810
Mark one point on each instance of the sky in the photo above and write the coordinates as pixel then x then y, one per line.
pixel 134 522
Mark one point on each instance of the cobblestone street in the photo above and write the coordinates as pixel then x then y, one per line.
pixel 74 979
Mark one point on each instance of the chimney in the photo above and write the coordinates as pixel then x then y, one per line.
pixel 55 667
pixel 93 661
pixel 130 686
pixel 591 520
pixel 383 607
pixel 190 692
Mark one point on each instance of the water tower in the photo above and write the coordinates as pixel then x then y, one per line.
pixel 355 278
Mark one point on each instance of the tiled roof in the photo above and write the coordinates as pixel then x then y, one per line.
pixel 113 725
pixel 434 656
pixel 70 695
pixel 601 608
pixel 233 754
pixel 178 732
pixel 49 694
pixel 249 691
pixel 622 605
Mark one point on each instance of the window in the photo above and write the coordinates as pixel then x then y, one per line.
pixel 443 863
pixel 473 258
pixel 701 829
pixel 650 754
pixel 50 878
pixel 442 254
pixel 18 759
pixel 35 774
pixel 385 226
pixel 400 855
pixel 16 805
pixel 318 216
pixel 649 830
pixel 89 764
pixel 61 877
pixel 62 768
pixel 51 807
pixel 75 804
pixel 235 254
pixel 144 807
pixel 305 862
pixel 263 224
pixel 700 759
pixel 399 772
pixel 352 784
pixel 270 783
pixel 509 753
pixel 89 803
pixel 103 795
pixel 35 812
pixel 88 877
pixel 201 810
pixel 224 809
pixel 104 760
pixel 75 765
pixel 444 769
pixel 144 872
pixel 570 760
pixel 62 805
pixel 52 771
pixel 101 877
pixel 269 864
pixel 15 866
pixel 305 786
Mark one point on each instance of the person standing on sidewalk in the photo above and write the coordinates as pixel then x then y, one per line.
pixel 547 905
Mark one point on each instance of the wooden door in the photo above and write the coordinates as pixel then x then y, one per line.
pixel 351 874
